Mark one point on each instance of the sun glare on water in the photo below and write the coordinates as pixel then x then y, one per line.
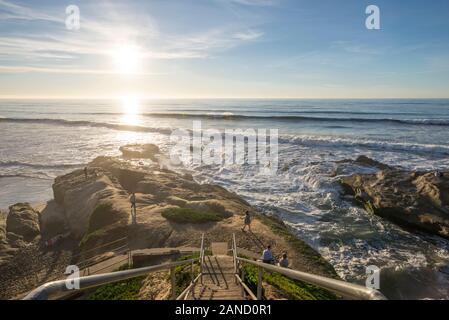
pixel 130 110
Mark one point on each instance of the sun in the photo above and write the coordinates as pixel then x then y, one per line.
pixel 127 59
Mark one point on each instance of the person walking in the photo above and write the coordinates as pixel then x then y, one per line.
pixel 132 199
pixel 267 255
pixel 247 221
pixel 284 261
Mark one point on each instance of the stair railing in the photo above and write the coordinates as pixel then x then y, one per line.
pixel 193 282
pixel 339 287
pixel 63 288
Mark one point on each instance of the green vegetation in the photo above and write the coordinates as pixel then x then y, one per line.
pixel 102 216
pixel 306 251
pixel 293 289
pixel 129 289
pixel 183 273
pixel 123 290
pixel 104 221
pixel 184 215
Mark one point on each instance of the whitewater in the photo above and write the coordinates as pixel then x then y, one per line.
pixel 41 139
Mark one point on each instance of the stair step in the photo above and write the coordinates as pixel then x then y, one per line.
pixel 218 278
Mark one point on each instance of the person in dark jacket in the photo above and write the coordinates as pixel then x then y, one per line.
pixel 247 221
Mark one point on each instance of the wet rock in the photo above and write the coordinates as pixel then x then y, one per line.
pixel 140 151
pixel 365 161
pixel 415 200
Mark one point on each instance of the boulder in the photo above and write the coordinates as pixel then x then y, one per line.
pixel 78 198
pixel 23 221
pixel 52 220
pixel 368 162
pixel 415 200
pixel 2 234
pixel 125 174
pixel 140 151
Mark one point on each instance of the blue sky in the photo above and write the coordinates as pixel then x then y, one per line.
pixel 225 48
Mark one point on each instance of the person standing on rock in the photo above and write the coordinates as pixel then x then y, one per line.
pixel 132 199
pixel 247 221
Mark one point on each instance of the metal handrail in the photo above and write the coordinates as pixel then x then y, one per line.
pixel 184 294
pixel 236 268
pixel 245 287
pixel 345 289
pixel 98 247
pixel 202 258
pixel 56 263
pixel 57 289
pixel 106 267
pixel 187 290
pixel 342 288
pixel 234 253
pixel 94 260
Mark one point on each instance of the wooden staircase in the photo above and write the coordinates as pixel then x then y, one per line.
pixel 218 280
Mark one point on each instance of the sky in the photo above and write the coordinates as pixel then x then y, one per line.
pixel 224 49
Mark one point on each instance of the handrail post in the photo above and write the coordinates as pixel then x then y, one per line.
pixel 201 258
pixel 259 283
pixel 173 283
pixel 243 279
pixel 234 255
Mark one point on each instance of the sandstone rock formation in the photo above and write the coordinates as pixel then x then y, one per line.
pixel 22 223
pixel 366 161
pixel 80 197
pixel 96 210
pixel 140 151
pixel 415 200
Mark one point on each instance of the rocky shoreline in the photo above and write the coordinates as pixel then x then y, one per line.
pixel 91 207
pixel 90 210
pixel 417 201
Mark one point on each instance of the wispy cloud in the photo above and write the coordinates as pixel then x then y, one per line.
pixel 248 35
pixel 97 38
pixel 53 70
pixel 357 48
pixel 14 11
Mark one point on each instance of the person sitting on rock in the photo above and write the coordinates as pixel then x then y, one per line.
pixel 284 261
pixel 247 221
pixel 267 255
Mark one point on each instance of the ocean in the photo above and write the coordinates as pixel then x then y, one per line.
pixel 41 139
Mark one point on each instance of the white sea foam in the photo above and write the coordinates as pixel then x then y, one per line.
pixel 305 193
